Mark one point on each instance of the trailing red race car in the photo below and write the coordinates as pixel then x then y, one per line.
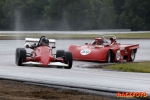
pixel 103 50
pixel 42 54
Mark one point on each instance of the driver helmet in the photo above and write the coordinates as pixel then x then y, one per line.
pixel 44 41
pixel 112 39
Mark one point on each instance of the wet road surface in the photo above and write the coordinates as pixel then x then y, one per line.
pixel 79 76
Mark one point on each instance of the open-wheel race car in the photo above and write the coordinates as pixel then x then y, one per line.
pixel 102 49
pixel 42 54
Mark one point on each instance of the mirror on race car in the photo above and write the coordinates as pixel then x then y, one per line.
pixel 86 43
pixel 27 45
pixel 53 47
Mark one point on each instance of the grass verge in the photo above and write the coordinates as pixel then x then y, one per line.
pixel 55 36
pixel 143 67
pixel 133 36
pixel 22 36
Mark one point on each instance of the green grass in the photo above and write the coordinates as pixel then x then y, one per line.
pixel 143 67
pixel 73 36
pixel 55 36
pixel 133 36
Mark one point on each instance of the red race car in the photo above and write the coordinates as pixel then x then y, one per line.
pixel 42 54
pixel 102 49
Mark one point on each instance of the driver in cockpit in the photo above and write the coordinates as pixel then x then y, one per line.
pixel 98 41
pixel 43 41
pixel 112 40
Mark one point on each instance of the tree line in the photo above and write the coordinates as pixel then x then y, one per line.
pixel 68 15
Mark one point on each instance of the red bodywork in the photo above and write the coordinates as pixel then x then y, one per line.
pixel 44 55
pixel 98 50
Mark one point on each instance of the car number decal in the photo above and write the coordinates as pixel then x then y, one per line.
pixel 85 52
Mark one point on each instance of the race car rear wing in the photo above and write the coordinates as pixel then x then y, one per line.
pixel 36 40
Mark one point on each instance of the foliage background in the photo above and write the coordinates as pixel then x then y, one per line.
pixel 68 15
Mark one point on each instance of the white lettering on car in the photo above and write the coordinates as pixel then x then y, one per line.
pixel 85 52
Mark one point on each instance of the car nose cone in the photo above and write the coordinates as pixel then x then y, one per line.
pixel 45 59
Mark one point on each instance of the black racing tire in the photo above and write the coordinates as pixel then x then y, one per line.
pixel 109 57
pixel 132 56
pixel 20 56
pixel 16 55
pixel 68 60
pixel 60 53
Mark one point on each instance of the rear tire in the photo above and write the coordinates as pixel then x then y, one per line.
pixel 68 60
pixel 132 56
pixel 60 53
pixel 20 56
pixel 110 57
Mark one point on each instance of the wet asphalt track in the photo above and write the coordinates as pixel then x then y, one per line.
pixel 80 75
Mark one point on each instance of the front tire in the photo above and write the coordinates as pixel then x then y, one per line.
pixel 20 56
pixel 68 60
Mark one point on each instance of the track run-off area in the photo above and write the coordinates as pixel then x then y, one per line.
pixel 82 75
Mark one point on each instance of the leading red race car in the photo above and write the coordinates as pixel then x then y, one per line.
pixel 42 54
pixel 103 50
